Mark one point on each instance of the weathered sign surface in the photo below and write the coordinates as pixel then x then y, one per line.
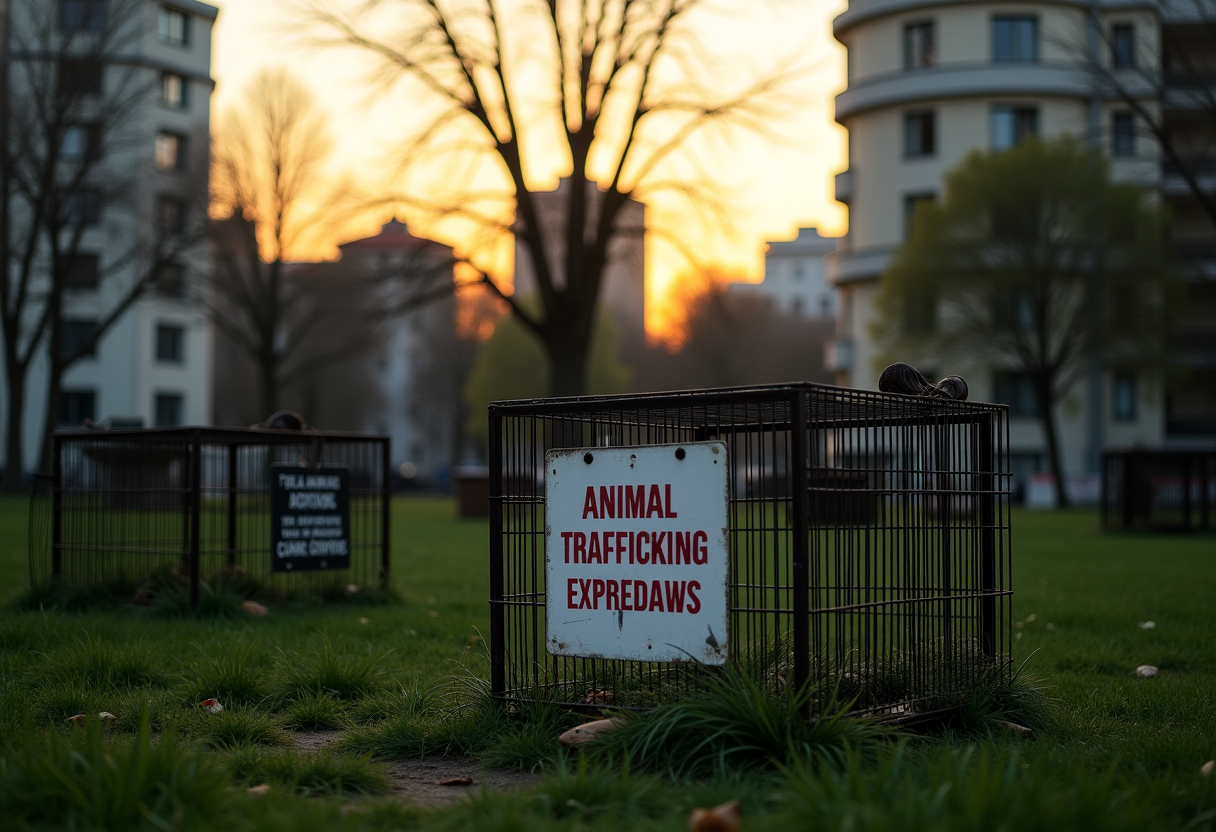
pixel 636 552
pixel 309 517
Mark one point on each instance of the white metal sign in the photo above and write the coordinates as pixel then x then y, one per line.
pixel 636 553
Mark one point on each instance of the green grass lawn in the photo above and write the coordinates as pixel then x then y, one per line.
pixel 1119 752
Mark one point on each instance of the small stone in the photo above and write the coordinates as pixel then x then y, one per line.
pixel 1146 671
pixel 1030 618
pixel 259 790
pixel 587 731
pixel 1014 728
pixel 351 589
pixel 364 620
pixel 1147 625
pixel 1051 627
pixel 457 781
pixel 106 716
pixel 1207 768
pixel 254 608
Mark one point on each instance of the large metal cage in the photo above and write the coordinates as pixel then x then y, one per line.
pixel 1157 490
pixel 121 508
pixel 869 544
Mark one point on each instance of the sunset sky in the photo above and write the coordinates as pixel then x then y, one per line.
pixel 776 183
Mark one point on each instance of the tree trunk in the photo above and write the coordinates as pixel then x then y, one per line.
pixel 14 452
pixel 567 366
pixel 269 394
pixel 50 420
pixel 1048 422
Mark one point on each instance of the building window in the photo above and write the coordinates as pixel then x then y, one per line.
pixel 173 91
pixel 77 15
pixel 80 207
pixel 920 45
pixel 1015 389
pixel 171 215
pixel 912 203
pixel 170 344
pixel 83 271
pixel 80 143
pixel 920 135
pixel 173 26
pixel 1015 38
pixel 170 151
pixel 168 409
pixel 76 339
pixel 1123 397
pixel 1122 45
pixel 170 281
pixel 799 272
pixel 75 406
pixel 1012 125
pixel 78 76
pixel 1123 134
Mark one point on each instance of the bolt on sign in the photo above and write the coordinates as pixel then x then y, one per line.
pixel 636 554
pixel 309 517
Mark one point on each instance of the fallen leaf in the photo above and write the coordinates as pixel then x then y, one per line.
pixel 588 731
pixel 433 613
pixel 1207 768
pixel 1013 727
pixel 1146 671
pixel 254 608
pixel 106 716
pixel 1147 625
pixel 211 706
pixel 259 790
pixel 596 696
pixel 79 718
pixel 725 818
pixel 352 588
pixel 457 781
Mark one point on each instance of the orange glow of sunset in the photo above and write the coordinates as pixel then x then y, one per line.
pixel 774 183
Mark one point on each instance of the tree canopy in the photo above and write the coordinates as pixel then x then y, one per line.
pixel 1034 263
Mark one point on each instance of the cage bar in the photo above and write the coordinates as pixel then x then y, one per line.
pixel 869 537
pixel 127 508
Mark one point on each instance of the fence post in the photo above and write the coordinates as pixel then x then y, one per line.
pixel 386 494
pixel 498 647
pixel 196 505
pixel 56 507
pixel 799 504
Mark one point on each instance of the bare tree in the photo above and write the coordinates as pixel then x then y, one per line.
pixel 618 89
pixel 72 132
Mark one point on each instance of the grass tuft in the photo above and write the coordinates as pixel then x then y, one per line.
pixel 1021 699
pixel 736 724
pixel 79 779
pixel 415 700
pixel 311 774
pixel 235 729
pixel 231 674
pixel 329 671
pixel 315 712
pixel 95 661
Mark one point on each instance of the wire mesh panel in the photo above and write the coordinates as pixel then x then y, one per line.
pixel 129 507
pixel 868 532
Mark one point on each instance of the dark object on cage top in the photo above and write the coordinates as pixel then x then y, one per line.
pixel 284 420
pixel 904 378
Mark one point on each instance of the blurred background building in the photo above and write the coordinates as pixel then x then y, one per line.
pixel 794 276
pixel 130 166
pixel 930 82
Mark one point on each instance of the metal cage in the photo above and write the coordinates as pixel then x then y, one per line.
pixel 1170 491
pixel 121 508
pixel 869 543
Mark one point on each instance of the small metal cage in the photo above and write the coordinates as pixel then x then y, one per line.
pixel 1168 491
pixel 869 544
pixel 122 508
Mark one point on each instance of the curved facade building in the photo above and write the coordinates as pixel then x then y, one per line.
pixel 930 81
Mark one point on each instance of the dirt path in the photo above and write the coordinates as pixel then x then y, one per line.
pixel 417 781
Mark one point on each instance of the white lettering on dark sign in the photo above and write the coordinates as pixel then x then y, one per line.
pixel 310 518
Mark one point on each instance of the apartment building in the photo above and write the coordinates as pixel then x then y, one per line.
pixel 130 166
pixel 794 276
pixel 929 82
